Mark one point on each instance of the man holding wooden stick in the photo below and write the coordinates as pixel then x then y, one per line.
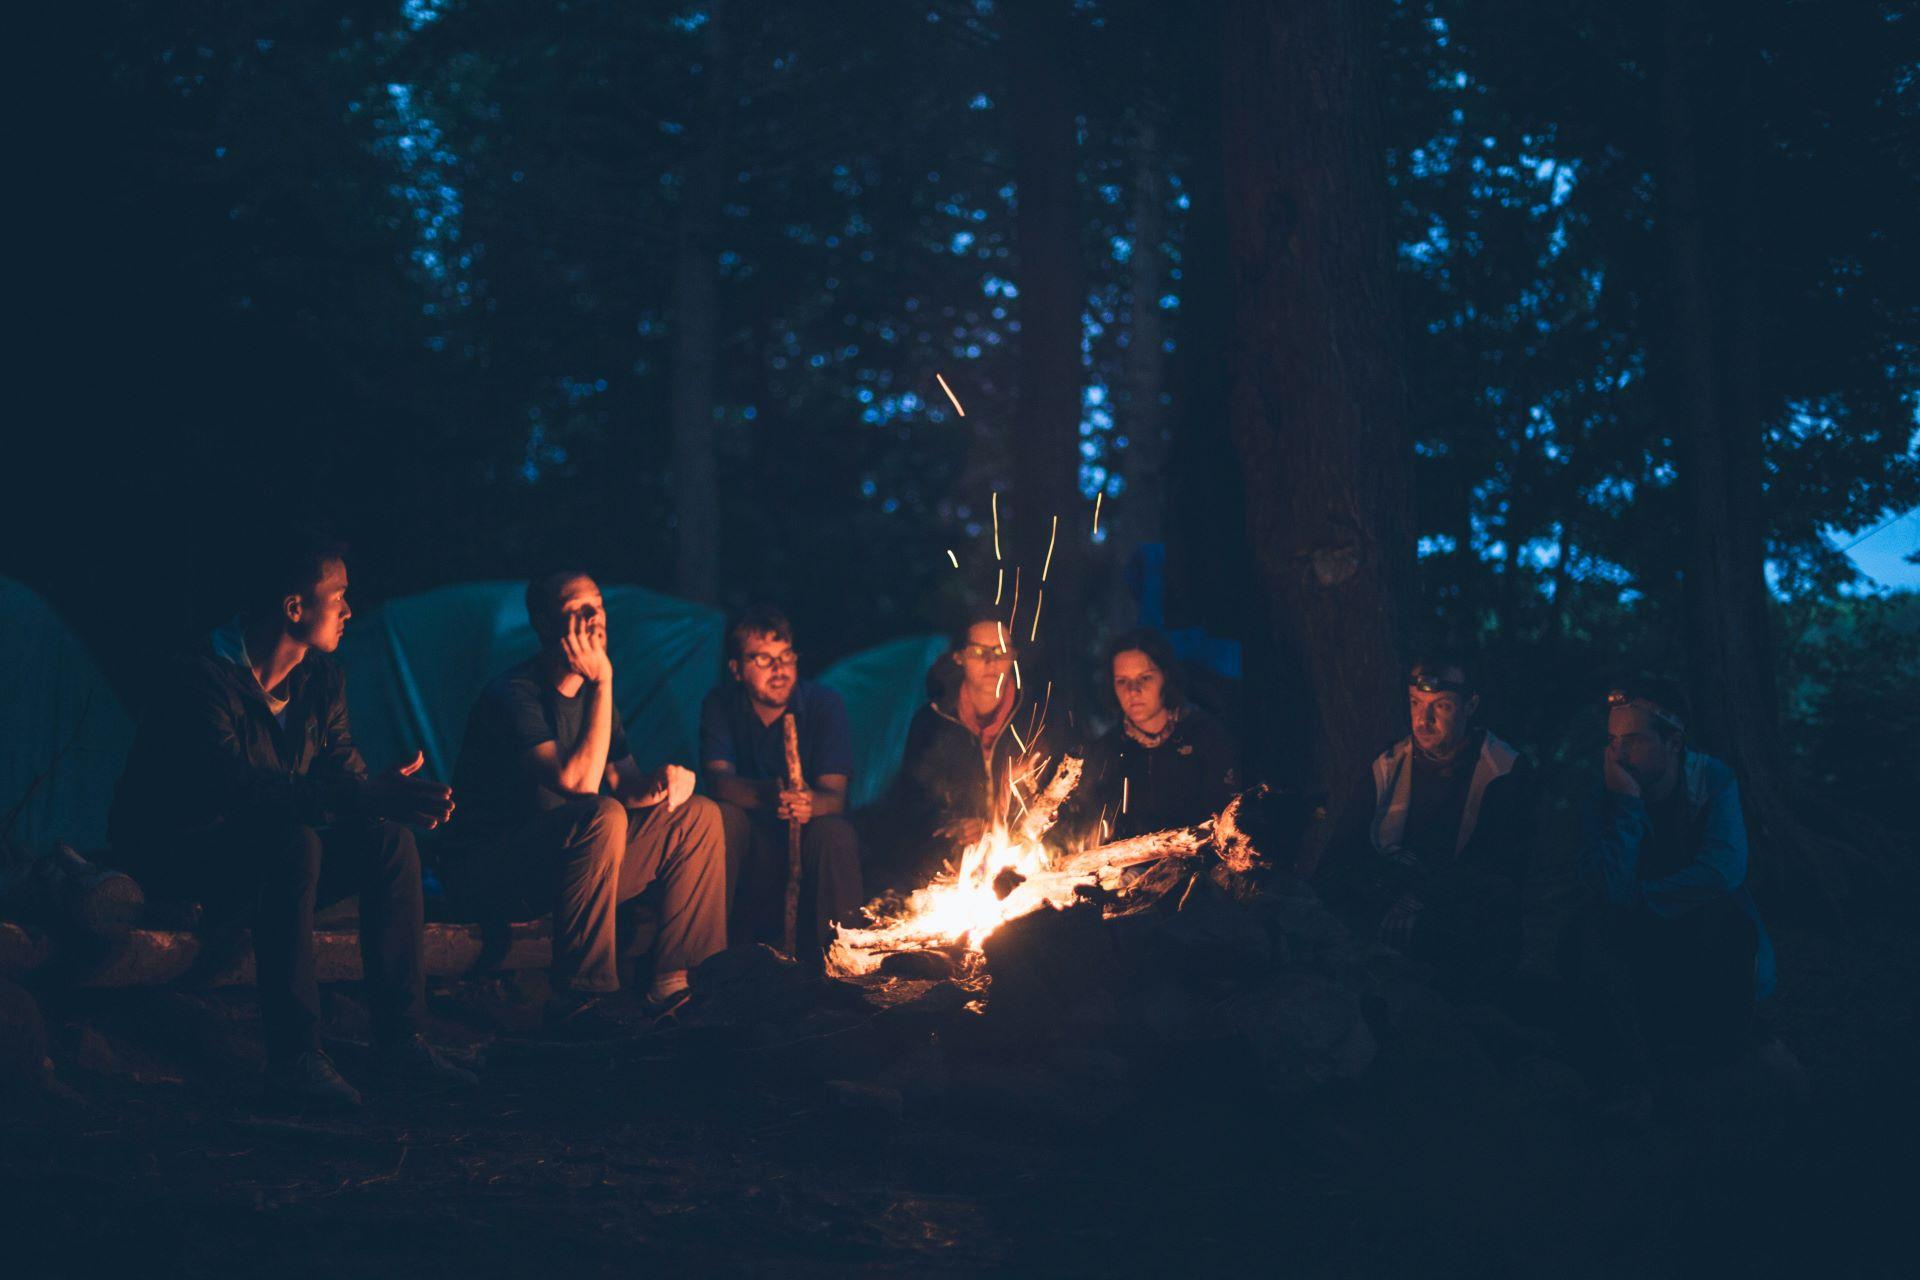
pixel 778 756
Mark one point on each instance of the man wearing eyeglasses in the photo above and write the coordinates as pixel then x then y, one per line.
pixel 1435 841
pixel 1674 950
pixel 743 750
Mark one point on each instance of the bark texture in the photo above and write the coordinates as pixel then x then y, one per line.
pixel 1318 402
pixel 696 331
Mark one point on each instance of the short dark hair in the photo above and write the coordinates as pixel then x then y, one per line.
pixel 287 564
pixel 543 599
pixel 1157 648
pixel 1664 692
pixel 1437 658
pixel 760 620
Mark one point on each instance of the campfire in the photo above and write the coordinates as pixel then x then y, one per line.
pixel 1009 872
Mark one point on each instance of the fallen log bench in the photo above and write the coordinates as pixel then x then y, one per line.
pixel 157 957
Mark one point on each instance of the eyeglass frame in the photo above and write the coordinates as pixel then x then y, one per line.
pixel 988 652
pixel 771 661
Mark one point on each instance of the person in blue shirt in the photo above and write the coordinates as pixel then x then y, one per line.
pixel 1671 949
pixel 743 751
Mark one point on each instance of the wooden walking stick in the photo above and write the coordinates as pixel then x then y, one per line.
pixel 795 782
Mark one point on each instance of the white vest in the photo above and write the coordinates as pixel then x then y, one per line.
pixel 1393 790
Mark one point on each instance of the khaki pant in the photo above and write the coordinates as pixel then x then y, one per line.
pixel 585 858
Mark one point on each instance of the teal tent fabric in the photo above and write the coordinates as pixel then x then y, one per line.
pixel 882 688
pixel 415 666
pixel 51 692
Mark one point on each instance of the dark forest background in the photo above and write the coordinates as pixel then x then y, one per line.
pixel 1572 332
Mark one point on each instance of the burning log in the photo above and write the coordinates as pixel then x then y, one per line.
pixel 1220 834
pixel 1006 875
pixel 1045 808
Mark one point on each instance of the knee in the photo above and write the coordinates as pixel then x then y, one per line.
pixel 703 820
pixel 399 851
pixel 599 826
pixel 297 851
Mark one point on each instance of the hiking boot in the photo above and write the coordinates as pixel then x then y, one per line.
pixel 310 1079
pixel 415 1062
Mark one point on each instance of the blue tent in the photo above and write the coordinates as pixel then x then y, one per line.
pixel 415 665
pixel 52 697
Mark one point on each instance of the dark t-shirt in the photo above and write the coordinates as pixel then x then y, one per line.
pixel 519 711
pixel 731 731
pixel 1438 802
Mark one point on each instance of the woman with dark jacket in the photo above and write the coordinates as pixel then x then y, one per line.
pixel 1166 764
pixel 968 748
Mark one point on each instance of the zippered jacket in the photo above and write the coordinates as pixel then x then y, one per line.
pixel 209 752
pixel 1619 830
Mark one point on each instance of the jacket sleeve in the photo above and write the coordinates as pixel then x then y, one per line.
pixel 1353 876
pixel 211 746
pixel 338 755
pixel 1617 826
pixel 1511 802
pixel 1220 768
pixel 1717 870
pixel 919 800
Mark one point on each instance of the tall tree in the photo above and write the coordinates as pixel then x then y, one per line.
pixel 1318 405
pixel 696 323
pixel 1047 241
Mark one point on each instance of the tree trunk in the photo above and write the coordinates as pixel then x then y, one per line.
pixel 696 329
pixel 1706 91
pixel 1049 273
pixel 1318 404
pixel 1139 415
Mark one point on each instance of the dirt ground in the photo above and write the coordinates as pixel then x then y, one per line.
pixel 880 1138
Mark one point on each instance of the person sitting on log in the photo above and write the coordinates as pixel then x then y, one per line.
pixel 743 751
pixel 1671 950
pixel 1167 764
pixel 965 748
pixel 561 817
pixel 244 792
pixel 1435 839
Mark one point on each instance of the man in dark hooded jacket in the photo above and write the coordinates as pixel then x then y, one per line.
pixel 244 792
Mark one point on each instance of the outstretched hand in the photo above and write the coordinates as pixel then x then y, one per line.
pixel 399 795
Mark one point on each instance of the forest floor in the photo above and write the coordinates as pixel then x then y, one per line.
pixel 703 1149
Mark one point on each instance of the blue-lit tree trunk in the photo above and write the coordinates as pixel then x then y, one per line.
pixel 1051 278
pixel 1318 404
pixel 696 328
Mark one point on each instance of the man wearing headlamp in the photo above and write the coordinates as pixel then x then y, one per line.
pixel 1673 950
pixel 1436 838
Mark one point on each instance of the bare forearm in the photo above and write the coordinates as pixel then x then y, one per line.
pixel 736 790
pixel 584 768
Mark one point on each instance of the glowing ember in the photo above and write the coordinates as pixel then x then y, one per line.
pixel 949 390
